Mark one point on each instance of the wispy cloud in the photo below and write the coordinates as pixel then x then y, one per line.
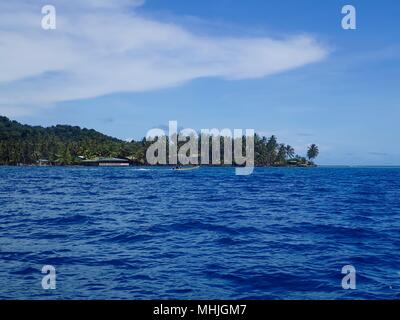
pixel 102 47
pixel 305 134
pixel 379 154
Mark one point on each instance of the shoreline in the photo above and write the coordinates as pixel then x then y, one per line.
pixel 158 166
pixel 208 166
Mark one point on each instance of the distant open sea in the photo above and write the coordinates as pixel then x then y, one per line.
pixel 154 233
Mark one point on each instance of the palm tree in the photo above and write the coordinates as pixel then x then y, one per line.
pixel 312 152
pixel 289 151
pixel 281 156
pixel 271 146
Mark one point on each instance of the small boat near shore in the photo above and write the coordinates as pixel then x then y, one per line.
pixel 186 168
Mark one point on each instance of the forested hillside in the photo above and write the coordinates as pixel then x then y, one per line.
pixel 59 144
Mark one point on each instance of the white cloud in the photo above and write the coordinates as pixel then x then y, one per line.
pixel 102 47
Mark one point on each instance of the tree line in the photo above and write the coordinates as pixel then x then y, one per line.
pixel 68 145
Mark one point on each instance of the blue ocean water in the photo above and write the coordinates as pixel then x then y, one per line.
pixel 140 233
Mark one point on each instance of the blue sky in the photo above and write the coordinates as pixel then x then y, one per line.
pixel 222 68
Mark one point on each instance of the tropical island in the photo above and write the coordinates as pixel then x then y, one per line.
pixel 70 145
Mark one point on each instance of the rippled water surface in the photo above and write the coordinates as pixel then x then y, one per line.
pixel 129 233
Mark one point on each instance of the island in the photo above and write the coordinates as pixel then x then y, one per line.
pixel 63 145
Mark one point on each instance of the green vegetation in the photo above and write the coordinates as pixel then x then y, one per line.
pixel 68 145
pixel 23 144
pixel 312 152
